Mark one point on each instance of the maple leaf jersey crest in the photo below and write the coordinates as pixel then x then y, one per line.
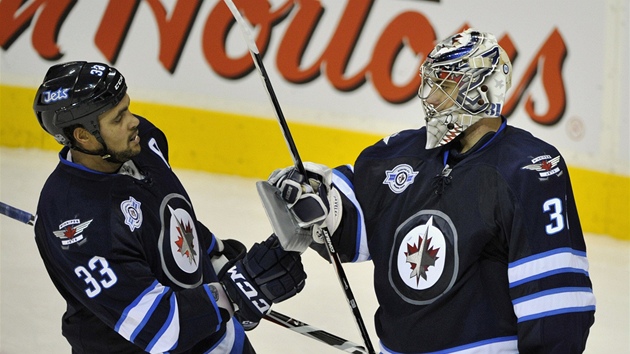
pixel 185 239
pixel 71 231
pixel 179 242
pixel 421 257
pixel 423 261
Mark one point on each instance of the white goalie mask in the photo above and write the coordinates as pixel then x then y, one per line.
pixel 465 78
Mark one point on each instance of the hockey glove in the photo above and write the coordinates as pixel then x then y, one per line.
pixel 312 199
pixel 266 274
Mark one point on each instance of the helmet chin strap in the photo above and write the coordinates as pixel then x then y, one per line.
pixel 103 152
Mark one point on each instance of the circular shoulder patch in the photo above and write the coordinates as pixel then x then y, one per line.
pixel 424 260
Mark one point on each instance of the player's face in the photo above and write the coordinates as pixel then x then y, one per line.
pixel 441 94
pixel 119 130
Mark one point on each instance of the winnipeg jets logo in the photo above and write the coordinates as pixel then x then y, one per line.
pixel 53 96
pixel 70 231
pixel 545 165
pixel 399 178
pixel 421 256
pixel 185 239
pixel 179 244
pixel 457 41
pixel 424 258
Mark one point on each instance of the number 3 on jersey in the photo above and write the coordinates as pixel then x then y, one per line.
pixel 106 276
pixel 553 206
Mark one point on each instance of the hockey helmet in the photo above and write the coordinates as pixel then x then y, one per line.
pixel 465 78
pixel 77 93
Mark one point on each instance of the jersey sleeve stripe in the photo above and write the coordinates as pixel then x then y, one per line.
pixel 489 346
pixel 343 184
pixel 134 316
pixel 212 244
pixel 233 336
pixel 548 274
pixel 166 339
pixel 562 260
pixel 552 302
pixel 216 307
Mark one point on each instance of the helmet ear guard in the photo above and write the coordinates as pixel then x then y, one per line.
pixel 77 93
pixel 464 79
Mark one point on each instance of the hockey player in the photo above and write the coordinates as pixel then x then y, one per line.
pixel 470 223
pixel 121 241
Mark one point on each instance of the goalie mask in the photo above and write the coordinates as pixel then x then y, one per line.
pixel 465 78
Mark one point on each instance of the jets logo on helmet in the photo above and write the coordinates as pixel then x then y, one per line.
pixel 52 96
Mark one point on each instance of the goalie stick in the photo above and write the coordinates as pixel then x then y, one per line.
pixel 273 316
pixel 334 256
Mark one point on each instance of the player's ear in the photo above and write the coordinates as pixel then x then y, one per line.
pixel 84 138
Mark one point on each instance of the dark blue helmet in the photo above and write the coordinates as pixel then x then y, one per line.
pixel 76 93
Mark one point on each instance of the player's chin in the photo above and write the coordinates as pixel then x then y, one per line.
pixel 135 150
pixel 129 153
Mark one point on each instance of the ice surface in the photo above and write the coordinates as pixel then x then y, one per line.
pixel 31 308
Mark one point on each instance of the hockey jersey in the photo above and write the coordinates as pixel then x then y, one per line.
pixel 479 252
pixel 131 259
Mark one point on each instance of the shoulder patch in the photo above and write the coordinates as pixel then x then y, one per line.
pixel 132 212
pixel 71 232
pixel 545 165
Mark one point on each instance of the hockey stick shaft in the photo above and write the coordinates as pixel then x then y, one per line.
pixel 273 316
pixel 334 256
pixel 253 50
pixel 17 214
pixel 315 333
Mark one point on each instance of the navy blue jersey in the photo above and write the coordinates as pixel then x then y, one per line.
pixel 130 258
pixel 481 251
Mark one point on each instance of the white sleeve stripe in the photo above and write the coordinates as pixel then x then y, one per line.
pixel 345 186
pixel 228 340
pixel 137 313
pixel 547 274
pixel 552 302
pixel 166 338
pixel 564 261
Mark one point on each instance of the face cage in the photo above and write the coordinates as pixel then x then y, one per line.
pixel 455 89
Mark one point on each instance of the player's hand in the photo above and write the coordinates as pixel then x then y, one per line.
pixel 266 274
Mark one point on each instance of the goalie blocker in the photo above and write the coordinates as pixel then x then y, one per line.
pixel 299 206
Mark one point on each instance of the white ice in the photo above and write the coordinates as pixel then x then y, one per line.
pixel 31 308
